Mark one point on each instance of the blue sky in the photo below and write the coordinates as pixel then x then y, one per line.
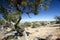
pixel 54 10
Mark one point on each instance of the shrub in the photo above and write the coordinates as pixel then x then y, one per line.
pixel 42 24
pixel 35 25
pixel 9 37
pixel 57 18
pixel 27 24
pixel 21 26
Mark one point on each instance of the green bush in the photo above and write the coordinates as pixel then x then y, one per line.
pixel 52 22
pixel 35 25
pixel 27 24
pixel 9 37
pixel 21 26
pixel 2 22
pixel 42 24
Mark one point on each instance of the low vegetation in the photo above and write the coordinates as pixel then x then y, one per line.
pixel 57 18
pixel 8 38
pixel 42 24
pixel 35 25
pixel 27 24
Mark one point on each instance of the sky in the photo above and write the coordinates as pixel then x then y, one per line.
pixel 54 10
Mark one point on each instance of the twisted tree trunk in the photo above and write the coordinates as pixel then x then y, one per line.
pixel 17 23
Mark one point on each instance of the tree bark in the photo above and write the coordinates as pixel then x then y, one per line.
pixel 17 22
pixel 19 17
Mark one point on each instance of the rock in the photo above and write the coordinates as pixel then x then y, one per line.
pixel 27 33
pixel 58 39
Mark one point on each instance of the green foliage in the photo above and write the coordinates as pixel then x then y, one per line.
pixel 12 16
pixel 9 37
pixel 1 22
pixel 20 6
pixel 57 18
pixel 52 22
pixel 35 25
pixel 42 24
pixel 21 26
pixel 42 0
pixel 8 17
pixel 2 9
pixel 46 8
pixel 24 3
pixel 27 24
pixel 35 13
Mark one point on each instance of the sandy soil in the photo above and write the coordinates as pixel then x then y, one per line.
pixel 43 32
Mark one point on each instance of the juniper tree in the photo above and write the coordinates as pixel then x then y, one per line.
pixel 12 10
